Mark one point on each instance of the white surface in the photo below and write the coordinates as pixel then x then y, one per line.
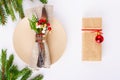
pixel 70 66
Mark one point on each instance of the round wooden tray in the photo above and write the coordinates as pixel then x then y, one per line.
pixel 24 39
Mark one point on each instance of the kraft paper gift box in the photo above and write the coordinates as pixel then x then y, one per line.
pixel 91 50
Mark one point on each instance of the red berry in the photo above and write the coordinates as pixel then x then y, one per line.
pixel 43 20
pixel 99 39
pixel 39 23
pixel 48 24
pixel 49 28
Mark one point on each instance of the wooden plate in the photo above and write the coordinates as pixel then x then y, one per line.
pixel 24 39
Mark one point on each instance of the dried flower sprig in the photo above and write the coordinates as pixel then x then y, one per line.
pixel 39 26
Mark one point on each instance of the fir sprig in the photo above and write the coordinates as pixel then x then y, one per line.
pixel 33 23
pixel 26 75
pixel 10 7
pixel 39 77
pixel 3 60
pixel 44 1
pixel 20 8
pixel 12 14
pixel 6 6
pixel 40 26
pixel 8 65
pixel 10 61
pixel 9 71
pixel 3 17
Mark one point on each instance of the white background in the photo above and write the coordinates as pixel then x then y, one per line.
pixel 70 66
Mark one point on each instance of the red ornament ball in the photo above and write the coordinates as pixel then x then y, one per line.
pixel 99 38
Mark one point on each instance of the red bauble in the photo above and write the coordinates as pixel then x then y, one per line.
pixel 99 38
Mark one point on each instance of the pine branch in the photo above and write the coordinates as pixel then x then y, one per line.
pixel 20 8
pixel 32 23
pixel 26 75
pixel 4 60
pixel 6 6
pixel 9 7
pixel 7 76
pixel 9 1
pixel 23 71
pixel 20 1
pixel 39 77
pixel 10 62
pixel 1 74
pixel 3 17
pixel 12 14
pixel 15 5
pixel 9 71
pixel 21 12
pixel 14 72
pixel 8 66
pixel 44 1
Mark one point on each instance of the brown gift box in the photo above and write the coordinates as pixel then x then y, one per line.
pixel 91 50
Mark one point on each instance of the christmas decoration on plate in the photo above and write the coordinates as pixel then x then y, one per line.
pixel 24 38
pixel 92 39
pixel 41 48
pixel 41 27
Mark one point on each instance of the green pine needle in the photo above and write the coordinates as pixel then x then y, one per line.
pixel 12 14
pixel 23 71
pixel 21 12
pixel 26 75
pixel 6 7
pixel 3 58
pixel 44 1
pixel 14 69
pixel 3 17
pixel 9 62
pixel 3 61
pixel 14 72
pixel 10 7
pixel 20 8
pixel 15 5
pixel 0 75
pixel 20 2
pixel 8 66
pixel 9 71
pixel 32 23
pixel 39 77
